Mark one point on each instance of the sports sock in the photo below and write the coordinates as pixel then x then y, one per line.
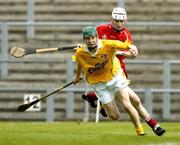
pixel 92 96
pixel 151 122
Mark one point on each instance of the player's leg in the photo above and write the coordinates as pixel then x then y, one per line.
pixel 112 110
pixel 124 99
pixel 106 97
pixel 92 100
pixel 135 100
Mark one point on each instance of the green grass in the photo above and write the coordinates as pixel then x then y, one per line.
pixel 78 133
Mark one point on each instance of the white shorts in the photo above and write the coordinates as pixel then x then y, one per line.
pixel 107 91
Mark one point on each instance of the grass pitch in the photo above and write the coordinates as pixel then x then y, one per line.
pixel 78 133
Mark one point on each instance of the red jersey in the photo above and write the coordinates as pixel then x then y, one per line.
pixel 106 32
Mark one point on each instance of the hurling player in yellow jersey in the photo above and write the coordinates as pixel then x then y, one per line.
pixel 104 74
pixel 96 58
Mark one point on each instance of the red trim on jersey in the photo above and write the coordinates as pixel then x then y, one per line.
pixel 106 32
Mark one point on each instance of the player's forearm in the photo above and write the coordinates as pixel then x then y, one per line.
pixel 127 54
pixel 78 72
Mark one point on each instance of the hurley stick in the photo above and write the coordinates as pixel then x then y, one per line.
pixel 20 52
pixel 24 107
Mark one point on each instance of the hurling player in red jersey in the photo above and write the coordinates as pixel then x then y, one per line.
pixel 116 31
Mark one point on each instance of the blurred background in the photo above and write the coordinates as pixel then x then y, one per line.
pixel 154 74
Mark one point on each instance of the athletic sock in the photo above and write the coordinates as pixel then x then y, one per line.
pixel 140 130
pixel 151 122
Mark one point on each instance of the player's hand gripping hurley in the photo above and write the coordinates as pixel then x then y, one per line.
pixel 24 107
pixel 20 52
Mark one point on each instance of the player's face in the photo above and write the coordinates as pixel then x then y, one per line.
pixel 91 41
pixel 118 24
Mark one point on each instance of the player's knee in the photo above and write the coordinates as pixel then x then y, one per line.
pixel 137 102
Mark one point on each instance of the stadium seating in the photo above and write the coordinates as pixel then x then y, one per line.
pixel 154 42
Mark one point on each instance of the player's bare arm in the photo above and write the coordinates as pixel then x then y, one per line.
pixel 131 54
pixel 78 74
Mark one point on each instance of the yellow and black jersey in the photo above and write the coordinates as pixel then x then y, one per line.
pixel 103 65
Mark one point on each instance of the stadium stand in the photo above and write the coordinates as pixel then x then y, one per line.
pixel 154 42
pixel 153 10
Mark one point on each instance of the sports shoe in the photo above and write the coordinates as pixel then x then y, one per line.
pixel 103 112
pixel 158 130
pixel 142 134
pixel 140 131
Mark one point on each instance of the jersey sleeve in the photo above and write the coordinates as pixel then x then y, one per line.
pixel 99 31
pixel 77 53
pixel 114 45
pixel 122 45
